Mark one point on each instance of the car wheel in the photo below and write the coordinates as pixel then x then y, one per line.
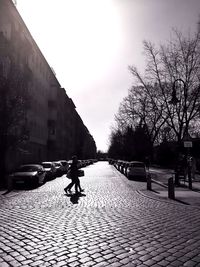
pixel 35 181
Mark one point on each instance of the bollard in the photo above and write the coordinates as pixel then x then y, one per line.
pixel 148 181
pixel 171 188
pixel 189 177
pixel 177 178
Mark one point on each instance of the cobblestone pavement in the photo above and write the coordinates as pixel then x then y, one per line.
pixel 113 224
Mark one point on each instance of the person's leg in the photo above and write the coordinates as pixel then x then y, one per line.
pixel 69 187
pixel 76 186
pixel 79 185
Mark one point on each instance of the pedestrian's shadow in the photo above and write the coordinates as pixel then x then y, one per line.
pixel 74 198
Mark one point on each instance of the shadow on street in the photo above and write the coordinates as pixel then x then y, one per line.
pixel 74 198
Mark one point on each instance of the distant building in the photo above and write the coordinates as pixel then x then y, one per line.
pixel 53 126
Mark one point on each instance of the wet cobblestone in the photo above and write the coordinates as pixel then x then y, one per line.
pixel 113 224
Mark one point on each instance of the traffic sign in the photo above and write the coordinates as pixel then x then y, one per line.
pixel 187 144
pixel 187 137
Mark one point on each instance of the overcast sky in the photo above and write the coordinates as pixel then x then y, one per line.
pixel 90 43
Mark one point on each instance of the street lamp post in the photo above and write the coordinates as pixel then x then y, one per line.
pixel 187 144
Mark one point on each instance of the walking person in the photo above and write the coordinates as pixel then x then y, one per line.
pixel 74 176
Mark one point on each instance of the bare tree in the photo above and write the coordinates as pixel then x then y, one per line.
pixel 141 107
pixel 116 144
pixel 173 68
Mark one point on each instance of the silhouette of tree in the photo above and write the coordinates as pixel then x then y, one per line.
pixel 175 64
pixel 129 151
pixel 140 108
pixel 142 143
pixel 130 144
pixel 172 73
pixel 101 155
pixel 115 149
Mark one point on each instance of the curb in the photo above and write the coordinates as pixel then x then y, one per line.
pixel 152 196
pixel 156 197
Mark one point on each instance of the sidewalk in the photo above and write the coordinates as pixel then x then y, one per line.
pixel 183 194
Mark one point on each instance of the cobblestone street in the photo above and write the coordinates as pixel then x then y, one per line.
pixel 113 224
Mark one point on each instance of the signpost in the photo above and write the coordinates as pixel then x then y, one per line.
pixel 188 144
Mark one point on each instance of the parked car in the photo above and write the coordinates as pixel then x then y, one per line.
pixel 125 166
pixel 120 165
pixel 136 170
pixel 58 166
pixel 65 166
pixel 50 169
pixel 33 174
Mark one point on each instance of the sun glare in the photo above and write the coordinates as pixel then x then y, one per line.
pixel 78 34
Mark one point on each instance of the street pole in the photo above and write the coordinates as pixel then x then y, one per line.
pixel 189 162
pixel 174 101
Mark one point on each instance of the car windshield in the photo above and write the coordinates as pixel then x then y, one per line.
pixel 28 168
pixel 57 164
pixel 46 165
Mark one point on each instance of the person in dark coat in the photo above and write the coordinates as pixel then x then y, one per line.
pixel 74 176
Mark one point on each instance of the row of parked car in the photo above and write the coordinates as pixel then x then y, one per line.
pixel 37 174
pixel 131 169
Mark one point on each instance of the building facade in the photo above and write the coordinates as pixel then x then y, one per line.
pixel 54 129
